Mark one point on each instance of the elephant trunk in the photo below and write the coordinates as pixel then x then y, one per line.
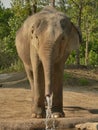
pixel 48 70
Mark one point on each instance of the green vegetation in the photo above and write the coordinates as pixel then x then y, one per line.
pixel 73 79
pixel 67 76
pixel 17 66
pixel 83 13
pixel 83 82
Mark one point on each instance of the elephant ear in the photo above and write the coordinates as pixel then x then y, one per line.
pixel 74 39
pixel 79 32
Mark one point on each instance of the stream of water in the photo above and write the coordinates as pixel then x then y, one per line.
pixel 50 122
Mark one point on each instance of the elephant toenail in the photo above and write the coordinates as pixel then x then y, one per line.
pixel 33 115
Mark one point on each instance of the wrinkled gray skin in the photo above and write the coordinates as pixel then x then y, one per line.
pixel 44 43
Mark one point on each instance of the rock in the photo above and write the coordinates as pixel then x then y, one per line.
pixel 87 126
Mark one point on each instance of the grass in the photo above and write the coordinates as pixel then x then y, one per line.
pixel 72 80
pixel 17 66
pixel 69 78
pixel 83 81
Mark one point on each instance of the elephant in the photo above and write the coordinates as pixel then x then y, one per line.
pixel 44 42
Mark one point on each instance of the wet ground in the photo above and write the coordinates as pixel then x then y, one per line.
pixel 79 101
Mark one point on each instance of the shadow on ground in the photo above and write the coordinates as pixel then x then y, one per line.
pixel 77 108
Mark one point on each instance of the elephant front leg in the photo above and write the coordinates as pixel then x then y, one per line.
pixel 57 106
pixel 38 108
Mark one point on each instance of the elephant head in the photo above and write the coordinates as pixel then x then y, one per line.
pixel 46 39
pixel 53 36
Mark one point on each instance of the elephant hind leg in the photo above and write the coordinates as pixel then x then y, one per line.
pixel 30 77
pixel 29 73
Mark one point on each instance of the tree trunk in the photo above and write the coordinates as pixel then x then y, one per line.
pixel 77 57
pixel 52 3
pixel 87 43
pixel 29 6
pixel 34 7
pixel 79 25
pixel 86 51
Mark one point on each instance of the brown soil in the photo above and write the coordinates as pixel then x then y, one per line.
pixel 79 101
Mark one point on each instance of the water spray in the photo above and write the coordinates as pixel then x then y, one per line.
pixel 49 122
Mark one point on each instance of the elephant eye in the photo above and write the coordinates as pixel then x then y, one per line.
pixel 32 31
pixel 36 36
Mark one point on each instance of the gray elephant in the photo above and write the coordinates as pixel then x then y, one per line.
pixel 44 43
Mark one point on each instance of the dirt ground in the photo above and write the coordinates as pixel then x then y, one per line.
pixel 79 100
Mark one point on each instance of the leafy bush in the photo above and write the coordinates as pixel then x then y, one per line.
pixel 14 67
pixel 93 58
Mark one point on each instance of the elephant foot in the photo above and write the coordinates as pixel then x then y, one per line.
pixel 57 112
pixel 34 115
pixel 58 115
pixel 38 112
